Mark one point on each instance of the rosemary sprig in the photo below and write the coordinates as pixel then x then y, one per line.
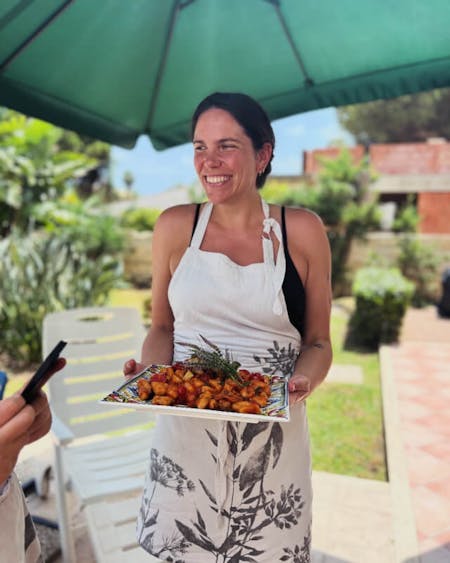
pixel 213 359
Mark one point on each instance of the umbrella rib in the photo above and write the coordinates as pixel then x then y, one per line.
pixel 14 12
pixel 308 80
pixel 34 34
pixel 177 6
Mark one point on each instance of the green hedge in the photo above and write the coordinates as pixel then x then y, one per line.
pixel 142 219
pixel 382 296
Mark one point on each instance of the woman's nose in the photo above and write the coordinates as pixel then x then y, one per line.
pixel 212 159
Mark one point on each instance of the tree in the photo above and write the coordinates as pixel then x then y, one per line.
pixel 411 118
pixel 38 162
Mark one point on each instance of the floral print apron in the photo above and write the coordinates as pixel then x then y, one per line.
pixel 229 492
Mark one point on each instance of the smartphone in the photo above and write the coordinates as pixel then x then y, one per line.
pixel 40 377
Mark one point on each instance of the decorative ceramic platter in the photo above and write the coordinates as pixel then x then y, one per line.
pixel 277 409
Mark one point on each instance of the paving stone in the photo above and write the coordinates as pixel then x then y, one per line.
pixel 342 373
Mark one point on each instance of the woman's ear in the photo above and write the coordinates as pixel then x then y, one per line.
pixel 264 156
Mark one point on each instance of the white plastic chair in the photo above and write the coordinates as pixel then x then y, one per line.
pixel 100 467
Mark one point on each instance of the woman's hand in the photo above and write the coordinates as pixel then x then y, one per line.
pixel 132 368
pixel 299 388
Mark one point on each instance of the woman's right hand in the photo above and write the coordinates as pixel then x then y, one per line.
pixel 132 368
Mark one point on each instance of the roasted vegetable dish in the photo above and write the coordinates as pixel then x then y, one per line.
pixel 184 384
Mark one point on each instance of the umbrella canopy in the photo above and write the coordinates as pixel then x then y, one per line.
pixel 116 69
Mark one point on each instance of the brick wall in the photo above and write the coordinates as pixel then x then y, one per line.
pixel 428 158
pixel 411 158
pixel 311 164
pixel 434 212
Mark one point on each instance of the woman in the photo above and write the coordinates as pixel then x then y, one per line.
pixel 220 491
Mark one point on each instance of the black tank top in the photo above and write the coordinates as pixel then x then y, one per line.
pixel 293 290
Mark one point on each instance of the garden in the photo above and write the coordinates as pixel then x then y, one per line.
pixel 60 249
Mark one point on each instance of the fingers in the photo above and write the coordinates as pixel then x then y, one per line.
pixel 129 367
pixel 43 419
pixel 18 425
pixel 10 407
pixel 299 389
pixel 60 363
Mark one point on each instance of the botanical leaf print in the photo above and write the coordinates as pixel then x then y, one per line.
pixel 168 473
pixel 278 359
pixel 163 472
pixel 299 554
pixel 252 430
pixel 251 508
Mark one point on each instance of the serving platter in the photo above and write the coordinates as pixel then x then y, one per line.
pixel 277 409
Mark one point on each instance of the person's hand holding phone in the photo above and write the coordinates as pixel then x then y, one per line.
pixel 20 424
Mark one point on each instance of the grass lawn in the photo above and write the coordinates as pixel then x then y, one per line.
pixel 345 420
pixel 129 298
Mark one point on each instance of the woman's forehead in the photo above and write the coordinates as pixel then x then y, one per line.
pixel 218 123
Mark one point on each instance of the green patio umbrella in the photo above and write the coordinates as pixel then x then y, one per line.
pixel 116 69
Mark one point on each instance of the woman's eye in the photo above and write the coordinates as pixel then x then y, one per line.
pixel 228 147
pixel 199 148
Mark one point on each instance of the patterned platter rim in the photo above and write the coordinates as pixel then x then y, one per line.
pixel 276 411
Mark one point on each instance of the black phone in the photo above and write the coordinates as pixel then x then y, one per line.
pixel 39 378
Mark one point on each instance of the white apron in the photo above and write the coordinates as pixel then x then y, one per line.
pixel 227 492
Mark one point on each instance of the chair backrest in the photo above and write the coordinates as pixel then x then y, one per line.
pixel 99 341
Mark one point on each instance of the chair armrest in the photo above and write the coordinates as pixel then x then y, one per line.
pixel 62 434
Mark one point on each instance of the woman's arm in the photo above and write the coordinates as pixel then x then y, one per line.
pixel 158 344
pixel 311 255
pixel 169 241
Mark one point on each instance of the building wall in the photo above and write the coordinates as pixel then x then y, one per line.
pixel 411 158
pixel 434 212
pixel 416 159
pixel 311 159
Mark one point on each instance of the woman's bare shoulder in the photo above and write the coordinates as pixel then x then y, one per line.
pixel 300 218
pixel 176 219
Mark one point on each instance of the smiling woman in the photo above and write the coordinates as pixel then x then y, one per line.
pixel 225 270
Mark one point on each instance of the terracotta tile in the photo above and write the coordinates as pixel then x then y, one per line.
pixel 424 468
pixel 439 449
pixel 442 489
pixel 432 512
pixel 434 402
pixel 417 435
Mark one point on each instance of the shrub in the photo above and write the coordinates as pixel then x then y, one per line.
pixel 40 274
pixel 419 263
pixel 382 296
pixel 407 219
pixel 140 219
pixel 83 221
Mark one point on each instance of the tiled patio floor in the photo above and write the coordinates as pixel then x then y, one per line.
pixel 421 370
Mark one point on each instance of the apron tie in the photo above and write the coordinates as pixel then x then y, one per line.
pixel 274 271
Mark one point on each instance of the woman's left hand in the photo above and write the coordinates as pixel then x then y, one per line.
pixel 299 388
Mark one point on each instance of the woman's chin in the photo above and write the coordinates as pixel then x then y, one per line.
pixel 217 194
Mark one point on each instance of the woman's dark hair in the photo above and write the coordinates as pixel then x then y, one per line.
pixel 250 116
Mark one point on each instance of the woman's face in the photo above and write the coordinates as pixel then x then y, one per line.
pixel 224 157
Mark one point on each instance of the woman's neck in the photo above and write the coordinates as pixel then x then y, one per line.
pixel 240 213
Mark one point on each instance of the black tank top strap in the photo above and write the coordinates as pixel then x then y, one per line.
pixel 197 212
pixel 293 289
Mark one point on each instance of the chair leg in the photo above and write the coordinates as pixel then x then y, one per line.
pixel 67 543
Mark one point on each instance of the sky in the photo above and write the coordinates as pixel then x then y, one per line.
pixel 156 171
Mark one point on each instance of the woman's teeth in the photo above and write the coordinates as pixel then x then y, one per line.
pixel 216 179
